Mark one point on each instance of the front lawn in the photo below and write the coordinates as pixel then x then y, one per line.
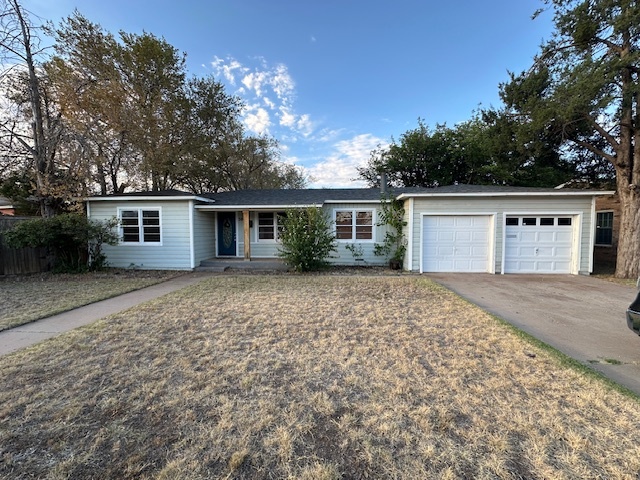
pixel 308 377
pixel 24 299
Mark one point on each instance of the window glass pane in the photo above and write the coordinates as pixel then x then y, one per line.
pixel 564 221
pixel 343 218
pixel 364 218
pixel 150 221
pixel 130 234
pixel 512 221
pixel 529 221
pixel 546 221
pixel 364 232
pixel 152 236
pixel 605 219
pixel 343 232
pixel 265 233
pixel 130 227
pixel 265 218
pixel 604 228
pixel 151 214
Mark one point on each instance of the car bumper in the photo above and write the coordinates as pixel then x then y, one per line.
pixel 633 321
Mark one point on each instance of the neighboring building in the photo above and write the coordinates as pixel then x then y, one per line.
pixel 460 228
pixel 607 231
pixel 6 207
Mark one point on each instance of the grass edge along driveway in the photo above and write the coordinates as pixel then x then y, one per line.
pixel 308 377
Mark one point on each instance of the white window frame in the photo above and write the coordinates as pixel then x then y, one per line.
pixel 354 216
pixel 140 211
pixel 598 227
pixel 275 225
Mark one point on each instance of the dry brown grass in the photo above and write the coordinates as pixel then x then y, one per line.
pixel 308 377
pixel 24 299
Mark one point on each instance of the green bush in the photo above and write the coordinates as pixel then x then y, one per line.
pixel 394 244
pixel 306 239
pixel 75 241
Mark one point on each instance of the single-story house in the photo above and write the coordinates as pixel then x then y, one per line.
pixel 458 228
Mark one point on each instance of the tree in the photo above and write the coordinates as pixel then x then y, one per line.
pixel 584 86
pixel 19 48
pixel 492 148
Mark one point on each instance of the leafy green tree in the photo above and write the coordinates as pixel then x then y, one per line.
pixel 75 240
pixel 583 86
pixel 306 239
pixel 492 148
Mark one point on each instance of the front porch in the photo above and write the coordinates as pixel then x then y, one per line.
pixel 230 264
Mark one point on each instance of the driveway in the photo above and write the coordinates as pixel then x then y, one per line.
pixel 583 317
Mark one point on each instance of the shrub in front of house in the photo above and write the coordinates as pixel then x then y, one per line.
pixel 306 239
pixel 75 241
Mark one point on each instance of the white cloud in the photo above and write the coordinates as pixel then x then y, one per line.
pixel 258 122
pixel 304 125
pixel 270 86
pixel 287 119
pixel 227 68
pixel 282 83
pixel 339 169
pixel 254 81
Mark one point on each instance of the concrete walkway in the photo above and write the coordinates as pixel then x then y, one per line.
pixel 35 332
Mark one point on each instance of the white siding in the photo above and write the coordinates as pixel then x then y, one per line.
pixel 343 256
pixel 580 206
pixel 270 248
pixel 204 231
pixel 175 251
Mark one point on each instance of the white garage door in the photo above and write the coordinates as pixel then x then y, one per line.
pixel 455 243
pixel 538 244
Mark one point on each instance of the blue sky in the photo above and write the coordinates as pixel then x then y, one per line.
pixel 329 79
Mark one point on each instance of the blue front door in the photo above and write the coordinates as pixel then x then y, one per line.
pixel 227 234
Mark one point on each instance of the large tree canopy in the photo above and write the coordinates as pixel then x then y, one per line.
pixel 584 87
pixel 118 113
pixel 493 148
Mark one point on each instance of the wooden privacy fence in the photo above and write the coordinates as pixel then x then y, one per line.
pixel 17 261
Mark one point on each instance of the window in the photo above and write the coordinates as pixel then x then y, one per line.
pixel 547 222
pixel 566 221
pixel 512 221
pixel 604 228
pixel 529 221
pixel 140 225
pixel 269 225
pixel 354 224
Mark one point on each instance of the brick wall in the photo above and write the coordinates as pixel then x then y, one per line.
pixel 604 258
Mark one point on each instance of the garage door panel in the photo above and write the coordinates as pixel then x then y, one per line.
pixel 564 237
pixel 455 243
pixel 547 237
pixel 537 248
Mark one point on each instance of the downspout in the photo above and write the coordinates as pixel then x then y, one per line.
pixel 192 252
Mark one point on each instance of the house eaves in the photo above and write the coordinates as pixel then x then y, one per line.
pixel 539 193
pixel 255 207
pixel 148 198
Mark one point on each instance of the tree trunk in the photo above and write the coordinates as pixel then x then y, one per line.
pixel 628 259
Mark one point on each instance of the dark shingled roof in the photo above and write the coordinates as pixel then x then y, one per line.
pixel 162 193
pixel 311 196
pixel 320 196
pixel 293 196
